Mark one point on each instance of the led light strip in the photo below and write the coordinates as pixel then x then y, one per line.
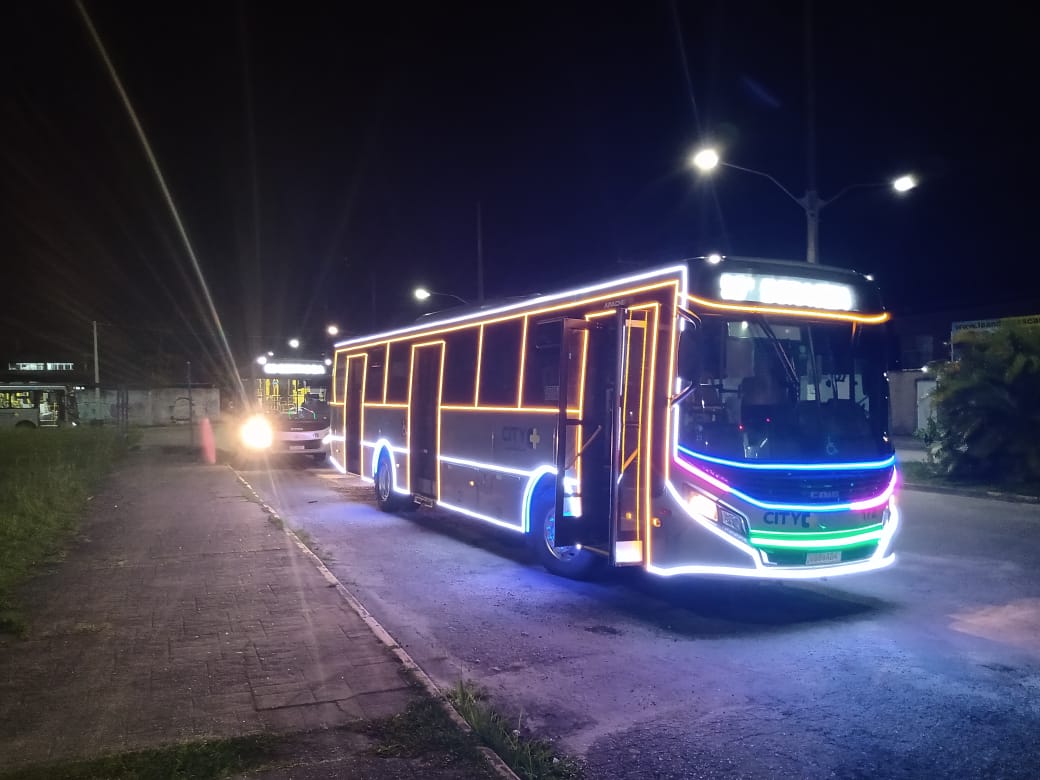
pixel 879 560
pixel 862 466
pixel 864 319
pixel 854 540
pixel 868 503
pixel 608 289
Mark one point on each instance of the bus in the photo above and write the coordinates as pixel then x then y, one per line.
pixel 718 416
pixel 35 405
pixel 289 413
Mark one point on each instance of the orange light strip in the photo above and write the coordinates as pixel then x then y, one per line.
pixel 359 434
pixel 476 377
pixel 607 295
pixel 523 354
pixel 579 438
pixel 673 348
pixel 386 371
pixel 377 405
pixel 513 409
pixel 649 454
pixel 408 417
pixel 866 319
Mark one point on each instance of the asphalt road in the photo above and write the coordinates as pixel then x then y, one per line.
pixel 928 669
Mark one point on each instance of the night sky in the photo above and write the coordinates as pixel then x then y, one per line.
pixel 327 158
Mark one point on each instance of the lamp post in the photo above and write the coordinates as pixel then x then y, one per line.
pixel 422 294
pixel 707 160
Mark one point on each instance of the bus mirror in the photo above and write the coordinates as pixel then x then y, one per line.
pixel 689 357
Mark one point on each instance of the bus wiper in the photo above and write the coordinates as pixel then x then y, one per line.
pixel 785 359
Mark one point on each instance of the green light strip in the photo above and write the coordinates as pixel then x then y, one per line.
pixel 764 534
pixel 818 544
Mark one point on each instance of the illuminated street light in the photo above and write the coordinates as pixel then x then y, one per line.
pixel 904 183
pixel 714 258
pixel 422 294
pixel 262 360
pixel 707 160
pixel 332 330
pixel 294 343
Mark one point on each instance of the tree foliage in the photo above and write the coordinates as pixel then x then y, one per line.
pixel 987 406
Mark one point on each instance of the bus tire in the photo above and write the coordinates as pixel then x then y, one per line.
pixel 385 496
pixel 570 562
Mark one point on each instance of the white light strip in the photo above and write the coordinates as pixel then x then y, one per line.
pixel 479 516
pixel 538 301
pixel 336 464
pixel 492 466
pixel 751 552
pixel 628 552
pixel 809 573
pixel 385 443
pixel 283 369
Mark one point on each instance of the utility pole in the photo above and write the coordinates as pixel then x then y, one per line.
pixel 811 202
pixel 97 378
pixel 480 256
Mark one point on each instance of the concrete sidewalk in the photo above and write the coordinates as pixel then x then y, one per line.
pixel 180 613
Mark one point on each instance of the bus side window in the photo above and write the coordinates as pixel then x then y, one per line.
pixel 460 367
pixel 542 365
pixel 397 383
pixel 374 380
pixel 500 364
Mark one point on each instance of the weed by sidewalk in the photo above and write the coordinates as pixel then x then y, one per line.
pixel 531 759
pixel 924 474
pixel 46 478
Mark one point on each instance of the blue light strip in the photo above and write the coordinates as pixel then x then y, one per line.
pixel 863 466
pixel 868 503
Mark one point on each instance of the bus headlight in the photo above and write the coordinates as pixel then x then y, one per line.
pixel 257 433
pixel 704 506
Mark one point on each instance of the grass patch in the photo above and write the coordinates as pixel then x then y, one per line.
pixel 202 760
pixel 46 477
pixel 925 474
pixel 531 759
pixel 424 730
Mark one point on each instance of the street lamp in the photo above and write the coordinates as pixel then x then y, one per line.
pixel 707 160
pixel 422 294
pixel 332 330
pixel 294 343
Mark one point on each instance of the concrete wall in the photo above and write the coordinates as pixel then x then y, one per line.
pixel 911 406
pixel 159 406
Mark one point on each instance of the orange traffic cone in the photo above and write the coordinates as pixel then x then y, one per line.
pixel 207 441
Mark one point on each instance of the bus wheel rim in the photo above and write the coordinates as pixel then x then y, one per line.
pixel 560 553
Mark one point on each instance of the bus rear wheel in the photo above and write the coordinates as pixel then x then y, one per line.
pixel 385 496
pixel 569 561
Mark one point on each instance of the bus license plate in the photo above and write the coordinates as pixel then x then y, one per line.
pixel 296 447
pixel 819 558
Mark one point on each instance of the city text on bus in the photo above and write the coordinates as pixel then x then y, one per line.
pixel 724 418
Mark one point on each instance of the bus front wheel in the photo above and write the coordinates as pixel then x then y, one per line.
pixel 568 561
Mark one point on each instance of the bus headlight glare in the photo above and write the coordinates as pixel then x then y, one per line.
pixel 256 433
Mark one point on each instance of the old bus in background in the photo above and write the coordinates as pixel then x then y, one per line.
pixel 724 416
pixel 34 405
pixel 289 412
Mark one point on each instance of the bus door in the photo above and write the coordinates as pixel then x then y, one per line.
pixel 352 413
pixel 585 496
pixel 632 443
pixel 424 419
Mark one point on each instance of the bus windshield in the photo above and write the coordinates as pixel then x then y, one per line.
pixel 778 390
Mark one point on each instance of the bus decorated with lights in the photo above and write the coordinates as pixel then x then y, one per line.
pixel 714 417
